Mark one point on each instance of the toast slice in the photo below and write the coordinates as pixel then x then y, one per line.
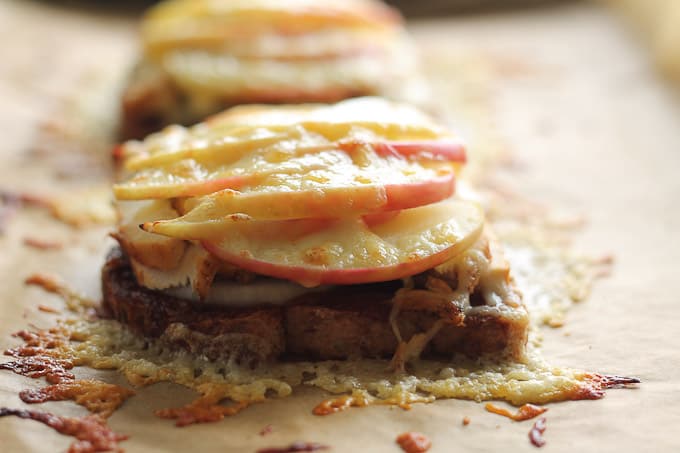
pixel 347 322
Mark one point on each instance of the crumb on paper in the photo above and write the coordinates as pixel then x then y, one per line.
pixel 466 421
pixel 412 442
pixel 536 433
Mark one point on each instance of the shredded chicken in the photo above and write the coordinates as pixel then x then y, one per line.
pixel 465 273
pixel 197 268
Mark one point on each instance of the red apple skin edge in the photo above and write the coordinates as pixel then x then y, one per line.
pixel 442 150
pixel 405 196
pixel 397 196
pixel 310 277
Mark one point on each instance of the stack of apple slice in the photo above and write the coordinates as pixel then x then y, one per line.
pixel 316 201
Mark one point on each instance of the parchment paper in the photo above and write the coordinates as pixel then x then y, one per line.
pixel 592 129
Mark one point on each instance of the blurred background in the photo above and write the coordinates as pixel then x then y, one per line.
pixel 412 8
pixel 656 22
pixel 654 25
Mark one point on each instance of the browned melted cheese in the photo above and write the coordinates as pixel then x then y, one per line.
pixel 96 396
pixel 51 353
pixel 414 442
pixel 92 434
pixel 53 370
pixel 48 354
pixel 525 411
pixel 333 405
pixel 205 409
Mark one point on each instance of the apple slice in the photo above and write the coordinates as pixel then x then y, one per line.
pixel 295 168
pixel 226 147
pixel 389 119
pixel 246 128
pixel 178 188
pixel 215 212
pixel 191 177
pixel 347 251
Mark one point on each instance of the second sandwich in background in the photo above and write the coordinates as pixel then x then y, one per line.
pixel 200 56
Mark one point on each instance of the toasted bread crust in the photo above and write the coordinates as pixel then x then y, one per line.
pixel 348 322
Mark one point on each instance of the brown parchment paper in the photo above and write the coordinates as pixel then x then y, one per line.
pixel 592 130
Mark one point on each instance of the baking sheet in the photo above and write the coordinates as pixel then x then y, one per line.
pixel 592 129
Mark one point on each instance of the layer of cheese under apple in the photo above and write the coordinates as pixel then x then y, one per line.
pixel 216 76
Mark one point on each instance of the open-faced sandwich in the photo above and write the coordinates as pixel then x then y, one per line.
pixel 200 56
pixel 312 231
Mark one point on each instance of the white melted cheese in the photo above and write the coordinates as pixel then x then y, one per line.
pixel 262 292
pixel 201 71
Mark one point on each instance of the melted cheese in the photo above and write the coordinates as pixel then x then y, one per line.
pixel 107 345
pixel 227 137
pixel 481 268
pixel 222 76
pixel 261 292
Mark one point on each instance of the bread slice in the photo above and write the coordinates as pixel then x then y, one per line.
pixel 341 323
